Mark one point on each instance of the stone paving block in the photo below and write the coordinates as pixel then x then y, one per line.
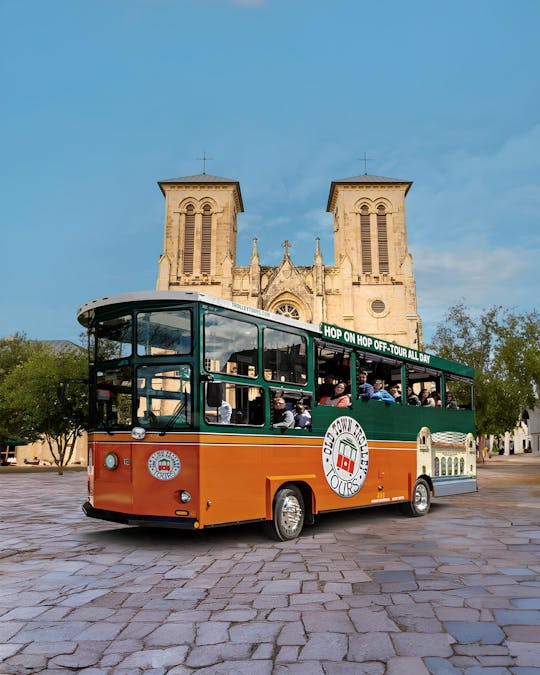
pixel 500 661
pixel 525 653
pixel 284 615
pixel 438 666
pixel 155 658
pixel 467 632
pixel 370 647
pixel 308 668
pixel 481 650
pixel 292 634
pixel 285 587
pixel 214 654
pixel 23 663
pixel 254 632
pixel 212 632
pixel 81 658
pixel 55 631
pixel 22 613
pixel 239 667
pixel 270 601
pixel 522 633
pixel 264 651
pixel 486 670
pixel 170 634
pixel 353 668
pixel 288 653
pixel 328 646
pixel 7 650
pixel 406 665
pixel 416 644
pixel 333 621
pixel 101 629
pixel 526 603
pixel 136 630
pixel 368 621
pixel 517 617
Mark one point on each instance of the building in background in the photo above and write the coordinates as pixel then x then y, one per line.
pixel 370 288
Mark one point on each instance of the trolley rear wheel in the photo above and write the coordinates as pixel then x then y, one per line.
pixel 421 499
pixel 288 514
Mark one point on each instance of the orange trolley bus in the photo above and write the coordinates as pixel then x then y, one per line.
pixel 184 427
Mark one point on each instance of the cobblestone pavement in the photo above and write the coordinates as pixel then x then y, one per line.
pixel 368 591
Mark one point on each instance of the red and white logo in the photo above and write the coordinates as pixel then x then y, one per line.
pixel 345 456
pixel 164 464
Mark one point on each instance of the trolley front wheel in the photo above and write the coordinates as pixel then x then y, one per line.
pixel 288 514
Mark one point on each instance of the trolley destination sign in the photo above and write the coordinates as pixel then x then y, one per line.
pixel 390 349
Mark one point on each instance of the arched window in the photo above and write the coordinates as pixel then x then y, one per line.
pixel 382 237
pixel 365 239
pixel 189 238
pixel 286 309
pixel 206 239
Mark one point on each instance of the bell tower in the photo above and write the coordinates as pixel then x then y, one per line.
pixel 370 246
pixel 199 249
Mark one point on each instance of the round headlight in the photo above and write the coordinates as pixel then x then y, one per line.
pixel 138 433
pixel 111 460
pixel 185 497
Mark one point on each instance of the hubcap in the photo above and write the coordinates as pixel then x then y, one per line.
pixel 291 513
pixel 421 498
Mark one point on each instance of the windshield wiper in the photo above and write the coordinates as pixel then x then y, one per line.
pixel 176 414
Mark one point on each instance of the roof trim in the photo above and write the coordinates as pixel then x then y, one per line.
pixel 204 179
pixel 364 179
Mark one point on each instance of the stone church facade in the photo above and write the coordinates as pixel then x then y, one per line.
pixel 370 287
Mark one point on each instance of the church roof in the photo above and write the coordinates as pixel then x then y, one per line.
pixel 365 179
pixel 203 179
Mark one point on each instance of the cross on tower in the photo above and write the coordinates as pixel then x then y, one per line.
pixel 204 159
pixel 365 160
pixel 286 245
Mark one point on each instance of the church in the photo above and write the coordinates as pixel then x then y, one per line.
pixel 370 288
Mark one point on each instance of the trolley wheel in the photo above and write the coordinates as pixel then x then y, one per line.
pixel 421 499
pixel 288 514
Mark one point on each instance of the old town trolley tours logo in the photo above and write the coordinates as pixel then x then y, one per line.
pixel 345 456
pixel 164 465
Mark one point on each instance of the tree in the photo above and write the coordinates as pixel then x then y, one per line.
pixel 45 398
pixel 14 350
pixel 504 349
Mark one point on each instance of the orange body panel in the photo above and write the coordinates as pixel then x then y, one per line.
pixel 233 477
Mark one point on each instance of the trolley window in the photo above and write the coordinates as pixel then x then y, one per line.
pixel 162 333
pixel 230 345
pixel 284 356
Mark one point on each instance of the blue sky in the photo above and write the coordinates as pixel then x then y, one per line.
pixel 100 99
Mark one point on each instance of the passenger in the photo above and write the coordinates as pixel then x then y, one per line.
pixel 451 401
pixel 412 398
pixel 327 387
pixel 380 394
pixel 395 393
pixel 425 399
pixel 339 399
pixel 283 418
pixel 302 416
pixel 365 390
pixel 224 412
pixel 437 398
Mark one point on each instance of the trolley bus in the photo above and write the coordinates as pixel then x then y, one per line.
pixel 183 423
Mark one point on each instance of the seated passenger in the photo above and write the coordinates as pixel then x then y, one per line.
pixel 302 416
pixel 283 418
pixel 224 413
pixel 339 398
pixel 425 399
pixel 451 401
pixel 327 387
pixel 365 390
pixel 380 394
pixel 395 393
pixel 436 398
pixel 412 398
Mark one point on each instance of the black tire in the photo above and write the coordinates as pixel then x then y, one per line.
pixel 421 499
pixel 288 514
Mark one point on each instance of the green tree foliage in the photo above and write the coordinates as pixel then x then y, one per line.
pixel 13 351
pixel 504 349
pixel 44 397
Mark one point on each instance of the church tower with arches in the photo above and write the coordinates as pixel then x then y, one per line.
pixel 370 288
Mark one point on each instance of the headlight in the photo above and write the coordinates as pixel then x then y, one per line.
pixel 138 433
pixel 111 460
pixel 185 497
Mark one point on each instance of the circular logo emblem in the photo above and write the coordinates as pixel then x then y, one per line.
pixel 345 456
pixel 164 465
